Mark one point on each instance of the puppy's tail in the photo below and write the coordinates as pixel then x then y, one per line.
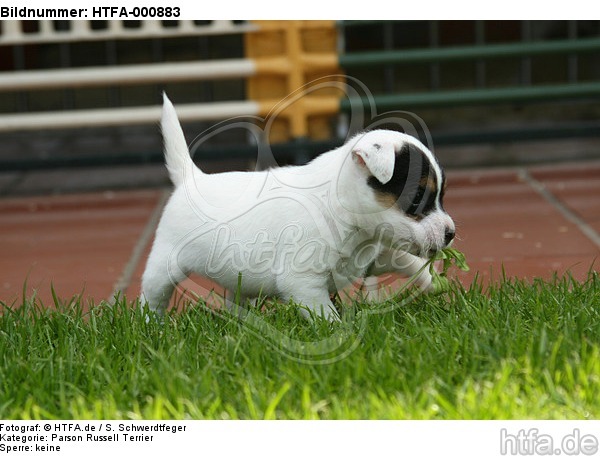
pixel 177 156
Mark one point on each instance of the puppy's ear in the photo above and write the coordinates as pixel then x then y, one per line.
pixel 377 158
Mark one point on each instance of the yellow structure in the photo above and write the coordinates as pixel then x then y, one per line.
pixel 297 82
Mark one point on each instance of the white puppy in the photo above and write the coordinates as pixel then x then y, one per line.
pixel 301 233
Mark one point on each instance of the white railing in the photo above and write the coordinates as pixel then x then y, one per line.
pixel 13 34
pixel 125 116
pixel 126 74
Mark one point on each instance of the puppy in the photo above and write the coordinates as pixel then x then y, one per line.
pixel 301 233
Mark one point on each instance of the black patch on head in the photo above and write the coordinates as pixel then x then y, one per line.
pixel 413 185
pixel 443 191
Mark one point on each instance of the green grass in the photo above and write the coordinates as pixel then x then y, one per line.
pixel 515 350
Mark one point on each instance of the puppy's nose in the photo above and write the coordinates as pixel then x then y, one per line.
pixel 448 235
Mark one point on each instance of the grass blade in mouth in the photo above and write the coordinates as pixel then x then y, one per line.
pixel 449 256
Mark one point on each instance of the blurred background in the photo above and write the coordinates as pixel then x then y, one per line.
pixel 84 93
pixel 510 107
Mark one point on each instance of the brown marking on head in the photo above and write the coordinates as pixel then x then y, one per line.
pixel 429 183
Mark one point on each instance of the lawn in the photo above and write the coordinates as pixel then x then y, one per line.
pixel 514 350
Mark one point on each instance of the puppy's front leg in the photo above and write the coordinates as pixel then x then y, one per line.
pixel 403 263
pixel 240 309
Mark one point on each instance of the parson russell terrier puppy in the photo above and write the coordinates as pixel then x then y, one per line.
pixel 300 233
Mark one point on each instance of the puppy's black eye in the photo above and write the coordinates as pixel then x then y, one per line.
pixel 424 199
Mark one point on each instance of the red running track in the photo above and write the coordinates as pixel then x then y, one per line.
pixel 532 221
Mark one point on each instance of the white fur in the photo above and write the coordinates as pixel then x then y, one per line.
pixel 378 158
pixel 298 233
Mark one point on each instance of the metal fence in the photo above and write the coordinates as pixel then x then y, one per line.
pixel 476 81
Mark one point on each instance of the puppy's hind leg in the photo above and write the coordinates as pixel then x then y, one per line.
pixel 312 297
pixel 158 282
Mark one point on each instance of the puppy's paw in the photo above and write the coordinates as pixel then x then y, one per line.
pixel 327 313
pixel 154 317
pixel 334 317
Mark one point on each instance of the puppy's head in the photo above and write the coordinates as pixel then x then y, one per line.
pixel 407 183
